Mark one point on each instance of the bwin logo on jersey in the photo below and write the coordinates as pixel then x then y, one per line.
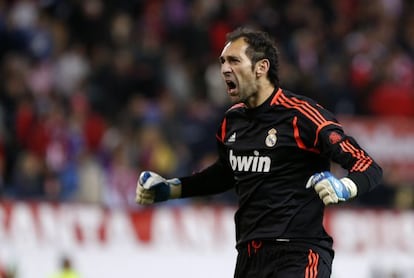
pixel 253 163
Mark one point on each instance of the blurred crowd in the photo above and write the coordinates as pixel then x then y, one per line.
pixel 94 91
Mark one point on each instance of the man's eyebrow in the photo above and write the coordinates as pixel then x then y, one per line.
pixel 229 57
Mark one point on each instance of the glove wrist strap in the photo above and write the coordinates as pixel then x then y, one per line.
pixel 350 186
pixel 175 188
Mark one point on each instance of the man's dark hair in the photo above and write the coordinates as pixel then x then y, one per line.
pixel 261 46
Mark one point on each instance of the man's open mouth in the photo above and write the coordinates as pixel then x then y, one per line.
pixel 231 86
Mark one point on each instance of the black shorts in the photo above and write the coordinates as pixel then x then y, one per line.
pixel 264 259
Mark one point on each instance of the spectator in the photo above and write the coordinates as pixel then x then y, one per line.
pixel 66 269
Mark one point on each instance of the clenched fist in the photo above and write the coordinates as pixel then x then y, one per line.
pixel 152 188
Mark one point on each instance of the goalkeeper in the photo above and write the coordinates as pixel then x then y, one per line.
pixel 274 149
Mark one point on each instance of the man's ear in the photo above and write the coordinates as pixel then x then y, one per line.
pixel 262 67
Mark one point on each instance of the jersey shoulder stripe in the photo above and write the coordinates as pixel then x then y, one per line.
pixel 300 105
pixel 311 111
pixel 221 134
pixel 235 109
pixel 298 139
pixel 236 106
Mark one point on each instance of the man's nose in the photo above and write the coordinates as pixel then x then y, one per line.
pixel 225 68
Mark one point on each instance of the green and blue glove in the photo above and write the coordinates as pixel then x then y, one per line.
pixel 152 188
pixel 330 189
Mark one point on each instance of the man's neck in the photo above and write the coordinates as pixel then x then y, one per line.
pixel 260 96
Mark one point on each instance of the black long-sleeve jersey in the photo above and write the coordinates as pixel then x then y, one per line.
pixel 267 154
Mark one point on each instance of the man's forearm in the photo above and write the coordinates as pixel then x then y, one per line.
pixel 213 180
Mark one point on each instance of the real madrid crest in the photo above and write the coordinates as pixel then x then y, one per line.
pixel 271 138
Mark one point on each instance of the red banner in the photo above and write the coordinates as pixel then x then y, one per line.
pixel 78 226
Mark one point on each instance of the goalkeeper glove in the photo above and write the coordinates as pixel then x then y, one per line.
pixel 330 189
pixel 152 188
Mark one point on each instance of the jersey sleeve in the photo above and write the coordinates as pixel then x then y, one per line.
pixel 322 133
pixel 345 150
pixel 217 178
